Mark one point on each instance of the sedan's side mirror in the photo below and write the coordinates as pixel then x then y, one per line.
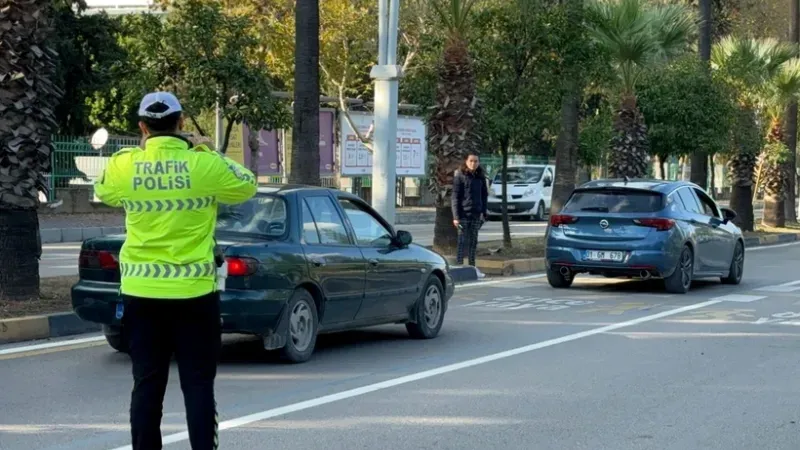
pixel 403 238
pixel 728 214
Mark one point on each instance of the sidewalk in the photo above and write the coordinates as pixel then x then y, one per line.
pixel 57 228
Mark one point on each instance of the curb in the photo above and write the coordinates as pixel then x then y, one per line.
pixel 780 238
pixel 511 267
pixel 58 235
pixel 43 327
pixel 62 235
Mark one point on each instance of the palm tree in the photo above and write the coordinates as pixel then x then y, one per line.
pixel 637 35
pixel 779 93
pixel 27 119
pixel 452 125
pixel 748 65
pixel 305 132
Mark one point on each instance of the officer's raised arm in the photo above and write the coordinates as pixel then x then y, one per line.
pixel 234 182
pixel 106 188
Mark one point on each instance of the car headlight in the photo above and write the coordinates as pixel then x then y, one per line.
pixel 529 192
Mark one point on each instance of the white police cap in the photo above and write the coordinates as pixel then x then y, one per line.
pixel 153 98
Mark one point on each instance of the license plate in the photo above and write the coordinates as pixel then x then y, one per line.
pixel 604 255
pixel 511 207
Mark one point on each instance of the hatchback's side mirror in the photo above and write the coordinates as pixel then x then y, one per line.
pixel 403 238
pixel 728 214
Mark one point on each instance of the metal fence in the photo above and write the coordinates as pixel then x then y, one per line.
pixel 75 163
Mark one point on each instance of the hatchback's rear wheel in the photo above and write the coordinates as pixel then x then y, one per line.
pixel 559 280
pixel 737 266
pixel 301 335
pixel 681 279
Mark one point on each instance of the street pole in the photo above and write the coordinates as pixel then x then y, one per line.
pixel 218 134
pixel 386 75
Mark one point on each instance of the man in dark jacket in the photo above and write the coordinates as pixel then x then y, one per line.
pixel 470 197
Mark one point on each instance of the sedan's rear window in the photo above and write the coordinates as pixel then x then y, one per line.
pixel 262 214
pixel 614 201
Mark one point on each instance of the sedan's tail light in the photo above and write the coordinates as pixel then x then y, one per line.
pixel 98 259
pixel 562 219
pixel 657 223
pixel 241 267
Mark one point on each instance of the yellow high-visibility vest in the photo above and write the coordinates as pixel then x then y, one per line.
pixel 170 193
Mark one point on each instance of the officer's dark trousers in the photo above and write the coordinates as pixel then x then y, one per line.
pixel 190 330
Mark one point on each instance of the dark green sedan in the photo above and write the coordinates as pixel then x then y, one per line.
pixel 301 261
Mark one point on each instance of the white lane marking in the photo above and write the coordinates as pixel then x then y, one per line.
pixel 363 390
pixel 60 247
pixel 505 280
pixel 35 347
pixel 74 266
pixel 785 287
pixel 740 298
pixel 29 348
pixel 768 247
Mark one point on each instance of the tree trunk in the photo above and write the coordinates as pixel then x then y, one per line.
pixel 19 259
pixel 742 202
pixel 712 188
pixel 305 132
pixel 504 193
pixel 661 171
pixel 445 234
pixel 629 144
pixel 790 204
pixel 774 213
pixel 566 149
pixel 253 144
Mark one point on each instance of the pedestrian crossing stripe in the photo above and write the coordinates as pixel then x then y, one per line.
pixel 185 204
pixel 152 270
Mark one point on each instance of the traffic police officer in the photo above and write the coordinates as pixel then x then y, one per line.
pixel 170 190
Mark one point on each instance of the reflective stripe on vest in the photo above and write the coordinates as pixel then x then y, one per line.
pixel 167 205
pixel 149 270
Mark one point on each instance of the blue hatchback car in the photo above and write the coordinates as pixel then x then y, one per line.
pixel 644 228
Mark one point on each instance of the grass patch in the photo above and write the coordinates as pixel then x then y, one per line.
pixel 54 297
pixel 530 247
pixel 763 230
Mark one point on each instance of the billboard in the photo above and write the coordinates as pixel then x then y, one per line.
pixel 412 149
pixel 271 150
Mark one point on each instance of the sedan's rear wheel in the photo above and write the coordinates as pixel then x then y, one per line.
pixel 737 266
pixel 301 334
pixel 428 313
pixel 681 279
pixel 116 338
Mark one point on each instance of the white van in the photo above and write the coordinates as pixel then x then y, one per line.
pixel 530 188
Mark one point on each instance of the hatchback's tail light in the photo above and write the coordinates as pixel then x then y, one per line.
pixel 657 223
pixel 241 267
pixel 98 259
pixel 562 219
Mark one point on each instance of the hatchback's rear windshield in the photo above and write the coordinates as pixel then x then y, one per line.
pixel 614 201
pixel 262 214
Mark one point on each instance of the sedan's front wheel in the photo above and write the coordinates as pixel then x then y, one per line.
pixel 428 313
pixel 301 335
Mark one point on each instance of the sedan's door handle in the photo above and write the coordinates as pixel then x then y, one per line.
pixel 373 262
pixel 317 262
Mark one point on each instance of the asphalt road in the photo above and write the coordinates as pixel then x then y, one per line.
pixel 607 364
pixel 62 259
